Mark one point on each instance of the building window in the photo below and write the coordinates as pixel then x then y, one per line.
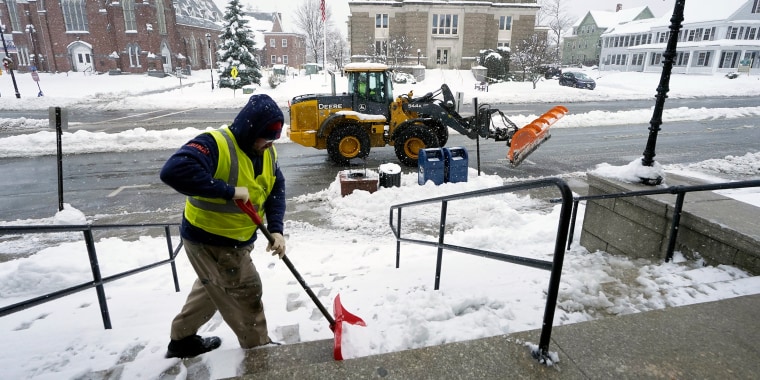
pixel 284 42
pixel 160 16
pixel 703 59
pixel 134 56
pixel 129 15
pixel 502 44
pixel 442 57
pixel 272 43
pixel 756 7
pixel 13 14
pixel 728 59
pixel 445 24
pixel 505 23
pixel 656 59
pixel 284 59
pixel 381 47
pixel 74 15
pixel 381 21
pixel 23 56
pixel 731 33
pixel 637 59
pixel 708 34
pixel 273 59
pixel 682 58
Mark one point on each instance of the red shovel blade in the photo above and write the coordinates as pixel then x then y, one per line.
pixel 342 315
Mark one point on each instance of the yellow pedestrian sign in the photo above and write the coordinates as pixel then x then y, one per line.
pixel 234 72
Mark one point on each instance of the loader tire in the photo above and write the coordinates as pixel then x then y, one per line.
pixel 409 141
pixel 347 142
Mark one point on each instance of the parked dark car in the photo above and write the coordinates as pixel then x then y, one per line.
pixel 552 72
pixel 576 79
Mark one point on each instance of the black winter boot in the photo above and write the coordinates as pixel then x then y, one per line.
pixel 192 346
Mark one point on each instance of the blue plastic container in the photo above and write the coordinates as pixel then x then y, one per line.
pixel 456 164
pixel 431 166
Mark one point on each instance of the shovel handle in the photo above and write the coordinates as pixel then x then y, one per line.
pixel 247 207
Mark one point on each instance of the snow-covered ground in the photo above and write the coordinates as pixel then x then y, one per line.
pixel 356 256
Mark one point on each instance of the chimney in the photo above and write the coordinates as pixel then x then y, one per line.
pixel 619 7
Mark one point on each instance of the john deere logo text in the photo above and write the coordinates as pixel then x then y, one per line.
pixel 330 106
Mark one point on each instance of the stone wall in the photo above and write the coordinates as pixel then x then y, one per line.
pixel 718 229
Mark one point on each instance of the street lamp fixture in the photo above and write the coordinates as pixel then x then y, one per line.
pixel 7 61
pixel 210 60
pixel 418 56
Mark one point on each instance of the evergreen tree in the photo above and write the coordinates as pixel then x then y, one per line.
pixel 237 50
pixel 496 64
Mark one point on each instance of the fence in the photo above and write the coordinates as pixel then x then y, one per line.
pixel 679 191
pixel 97 280
pixel 542 354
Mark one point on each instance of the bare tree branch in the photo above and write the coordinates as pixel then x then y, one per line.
pixel 554 14
pixel 308 20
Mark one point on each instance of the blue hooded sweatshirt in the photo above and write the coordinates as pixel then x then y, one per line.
pixel 191 169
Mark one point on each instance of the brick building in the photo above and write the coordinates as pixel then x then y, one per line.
pixel 445 34
pixel 278 46
pixel 133 36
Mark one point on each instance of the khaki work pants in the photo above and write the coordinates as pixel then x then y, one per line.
pixel 228 282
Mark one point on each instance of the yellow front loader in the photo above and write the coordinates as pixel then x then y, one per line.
pixel 350 124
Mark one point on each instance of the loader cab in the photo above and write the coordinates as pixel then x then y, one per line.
pixel 370 87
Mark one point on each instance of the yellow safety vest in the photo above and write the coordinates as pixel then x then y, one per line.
pixel 221 216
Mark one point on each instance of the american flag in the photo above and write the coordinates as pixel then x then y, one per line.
pixel 322 9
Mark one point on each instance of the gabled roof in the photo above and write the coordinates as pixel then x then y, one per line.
pixel 694 12
pixel 199 13
pixel 605 19
pixel 266 22
pixel 701 11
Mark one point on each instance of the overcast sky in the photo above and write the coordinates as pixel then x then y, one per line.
pixel 577 8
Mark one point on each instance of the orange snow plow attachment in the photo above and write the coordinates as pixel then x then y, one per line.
pixel 341 314
pixel 528 138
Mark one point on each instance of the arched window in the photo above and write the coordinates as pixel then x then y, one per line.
pixel 133 51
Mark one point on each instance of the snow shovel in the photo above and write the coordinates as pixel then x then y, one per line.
pixel 341 314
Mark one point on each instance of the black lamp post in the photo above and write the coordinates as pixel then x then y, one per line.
pixel 31 30
pixel 662 90
pixel 210 60
pixel 418 56
pixel 7 60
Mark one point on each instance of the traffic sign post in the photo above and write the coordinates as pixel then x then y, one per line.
pixel 36 78
pixel 234 74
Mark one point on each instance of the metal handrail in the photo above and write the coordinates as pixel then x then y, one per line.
pixel 680 192
pixel 555 266
pixel 97 281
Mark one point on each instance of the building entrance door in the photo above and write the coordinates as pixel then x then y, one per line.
pixel 82 58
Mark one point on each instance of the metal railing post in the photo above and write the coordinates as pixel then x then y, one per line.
pixel 441 232
pixel 572 224
pixel 172 256
pixel 675 226
pixel 96 278
pixel 398 242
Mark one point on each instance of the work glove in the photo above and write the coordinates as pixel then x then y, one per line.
pixel 241 193
pixel 278 246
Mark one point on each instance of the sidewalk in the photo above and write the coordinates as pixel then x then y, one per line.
pixel 715 340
